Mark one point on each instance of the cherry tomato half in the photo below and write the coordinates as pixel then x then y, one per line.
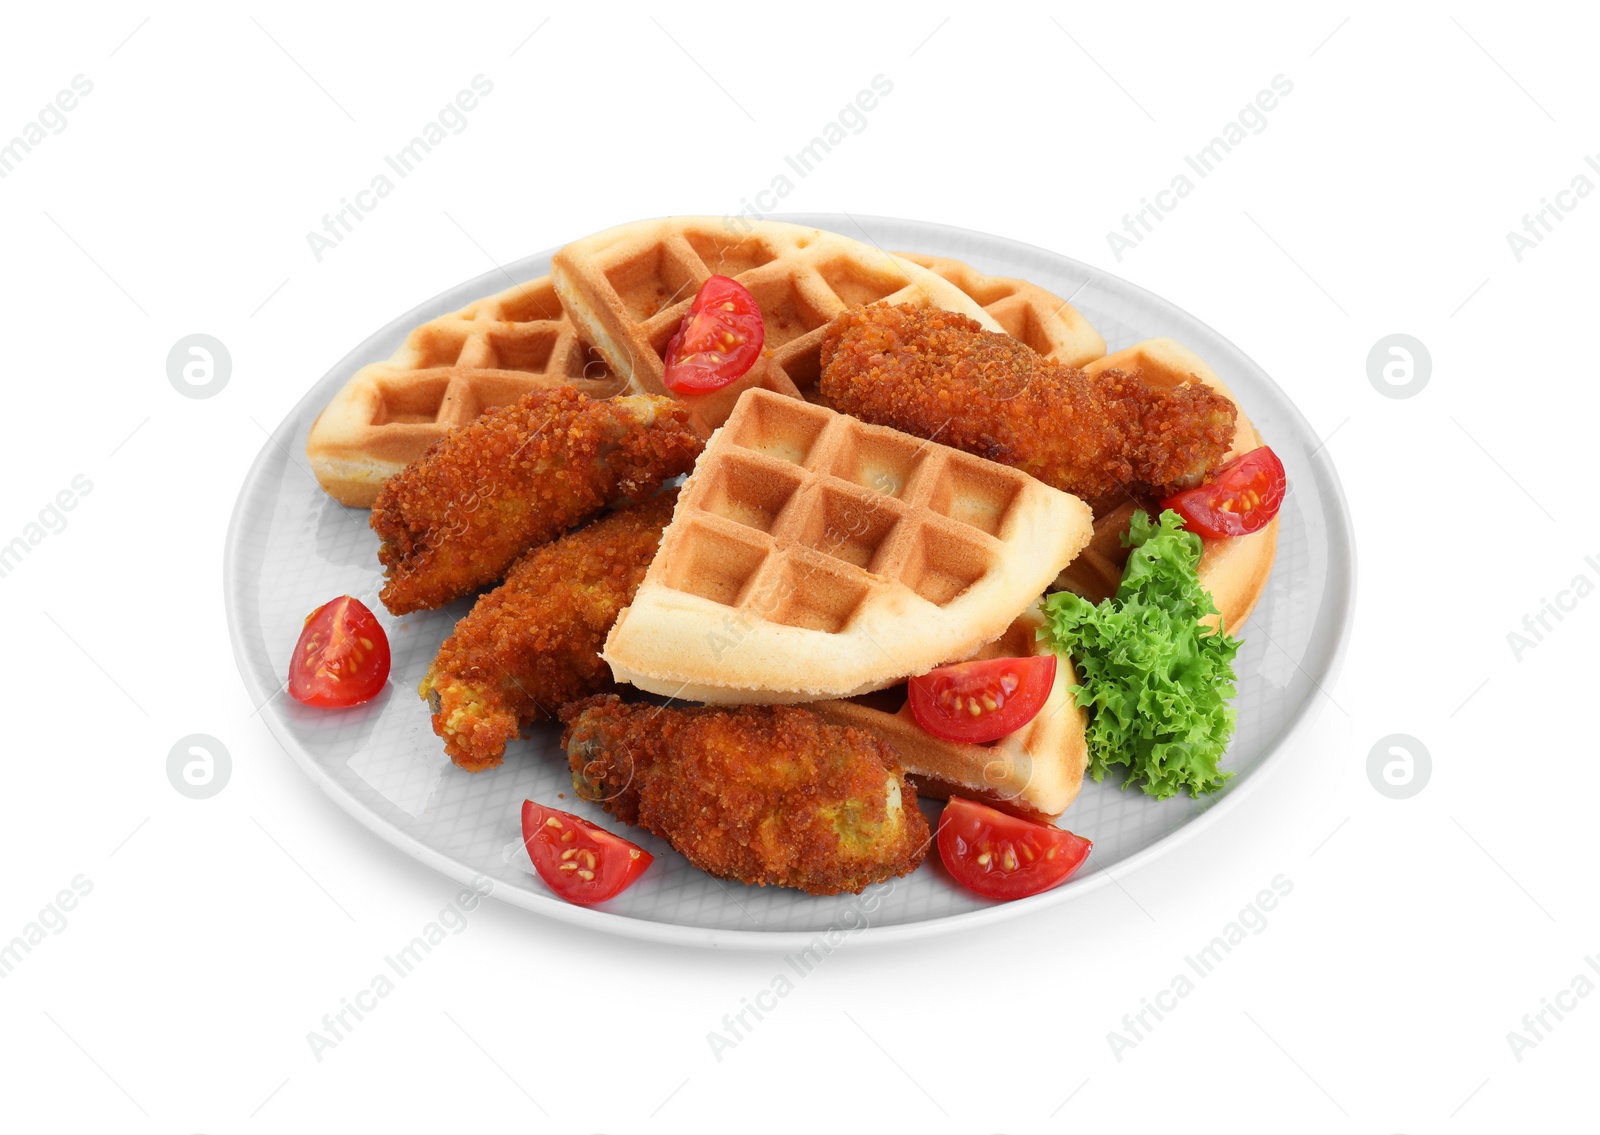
pixel 982 701
pixel 1005 857
pixel 718 340
pixel 580 862
pixel 342 657
pixel 1241 497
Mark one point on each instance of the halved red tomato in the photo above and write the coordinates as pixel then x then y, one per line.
pixel 342 657
pixel 1241 497
pixel 1005 857
pixel 718 340
pixel 580 862
pixel 982 701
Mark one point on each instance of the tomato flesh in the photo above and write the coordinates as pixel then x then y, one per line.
pixel 342 657
pixel 1005 857
pixel 1240 498
pixel 580 862
pixel 982 701
pixel 718 341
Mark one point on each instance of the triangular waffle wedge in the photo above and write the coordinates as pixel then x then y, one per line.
pixel 1234 570
pixel 627 289
pixel 1035 772
pixel 812 556
pixel 451 369
pixel 1044 321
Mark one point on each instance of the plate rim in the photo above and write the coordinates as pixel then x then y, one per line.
pixel 1340 527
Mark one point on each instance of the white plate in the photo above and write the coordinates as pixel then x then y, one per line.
pixel 291 547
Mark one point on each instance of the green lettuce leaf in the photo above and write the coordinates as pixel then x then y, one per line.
pixel 1156 683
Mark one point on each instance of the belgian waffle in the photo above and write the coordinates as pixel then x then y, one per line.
pixel 451 369
pixel 1025 311
pixel 1036 771
pixel 627 289
pixel 1234 570
pixel 812 556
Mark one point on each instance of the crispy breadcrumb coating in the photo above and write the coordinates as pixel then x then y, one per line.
pixel 455 519
pixel 770 795
pixel 533 643
pixel 940 375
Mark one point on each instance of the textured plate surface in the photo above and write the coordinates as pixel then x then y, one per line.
pixel 291 547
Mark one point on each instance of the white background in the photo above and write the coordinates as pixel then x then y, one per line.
pixel 1377 199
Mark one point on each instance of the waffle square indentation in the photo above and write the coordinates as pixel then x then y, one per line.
pixel 526 349
pixel 534 302
pixel 817 596
pixel 1021 321
pixel 729 254
pixel 788 310
pixel 801 363
pixel 978 493
pixel 849 527
pixel 487 390
pixel 748 492
pixel 582 361
pixel 781 427
pixel 651 281
pixel 411 398
pixel 986 290
pixel 857 283
pixel 942 566
pixel 880 462
pixel 437 345
pixel 714 565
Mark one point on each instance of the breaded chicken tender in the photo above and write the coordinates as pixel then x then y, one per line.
pixel 939 375
pixel 533 644
pixel 770 795
pixel 455 520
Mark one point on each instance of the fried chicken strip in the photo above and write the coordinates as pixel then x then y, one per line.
pixel 937 374
pixel 770 795
pixel 533 643
pixel 455 519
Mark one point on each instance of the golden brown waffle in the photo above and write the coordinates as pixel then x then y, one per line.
pixel 627 290
pixel 1036 771
pixel 1026 311
pixel 1234 570
pixel 450 370
pixel 812 556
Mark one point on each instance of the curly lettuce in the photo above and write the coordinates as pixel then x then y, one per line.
pixel 1156 681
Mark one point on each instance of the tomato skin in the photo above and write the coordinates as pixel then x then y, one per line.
pixel 1017 688
pixel 1240 498
pixel 719 339
pixel 1018 857
pixel 564 848
pixel 342 656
